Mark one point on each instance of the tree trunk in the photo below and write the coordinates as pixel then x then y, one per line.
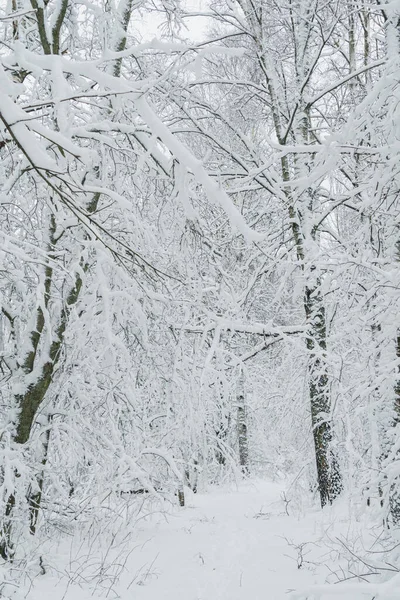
pixel 36 498
pixel 242 429
pixel 6 544
pixel 328 474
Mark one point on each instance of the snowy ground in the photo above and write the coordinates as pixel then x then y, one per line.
pixel 237 544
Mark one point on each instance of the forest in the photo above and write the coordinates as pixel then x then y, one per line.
pixel 199 283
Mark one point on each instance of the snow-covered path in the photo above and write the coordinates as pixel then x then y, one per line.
pixel 236 544
pixel 231 546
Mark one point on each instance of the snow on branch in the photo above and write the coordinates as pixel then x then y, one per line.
pixel 250 328
pixel 167 458
pixel 215 193
pixel 27 134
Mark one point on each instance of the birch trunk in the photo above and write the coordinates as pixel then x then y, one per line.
pixel 243 441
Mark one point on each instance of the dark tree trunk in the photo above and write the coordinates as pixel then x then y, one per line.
pixel 328 473
pixel 242 429
pixel 6 544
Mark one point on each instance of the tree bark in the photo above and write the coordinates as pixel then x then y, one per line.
pixel 243 441
pixel 328 474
